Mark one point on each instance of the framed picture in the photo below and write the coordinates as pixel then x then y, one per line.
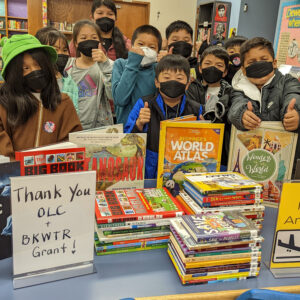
pixel 265 155
pixel 221 12
pixel 220 31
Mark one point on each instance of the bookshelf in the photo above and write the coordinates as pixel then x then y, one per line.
pixel 213 19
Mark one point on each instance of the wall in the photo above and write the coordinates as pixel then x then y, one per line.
pixel 163 12
pixel 235 11
pixel 260 19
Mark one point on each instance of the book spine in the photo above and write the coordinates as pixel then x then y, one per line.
pixel 144 230
pixel 228 198
pixel 229 203
pixel 134 241
pixel 134 224
pixel 133 249
pixel 137 244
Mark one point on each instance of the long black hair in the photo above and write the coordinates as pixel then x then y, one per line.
pixel 17 98
pixel 117 35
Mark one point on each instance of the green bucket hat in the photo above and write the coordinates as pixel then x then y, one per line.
pixel 20 43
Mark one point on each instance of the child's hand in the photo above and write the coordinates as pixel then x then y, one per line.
pixel 144 117
pixel 250 120
pixel 98 55
pixel 137 50
pixel 291 117
pixel 163 53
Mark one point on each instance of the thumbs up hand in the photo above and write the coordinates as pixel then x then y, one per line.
pixel 144 117
pixel 250 120
pixel 291 117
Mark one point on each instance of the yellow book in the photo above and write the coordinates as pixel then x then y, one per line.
pixel 218 182
pixel 190 279
pixel 184 147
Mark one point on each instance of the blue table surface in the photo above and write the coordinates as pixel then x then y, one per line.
pixel 140 274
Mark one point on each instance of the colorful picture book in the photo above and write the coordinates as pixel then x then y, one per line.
pixel 185 147
pixel 7 170
pixel 61 160
pixel 265 155
pixel 118 158
pixel 222 226
pixel 139 204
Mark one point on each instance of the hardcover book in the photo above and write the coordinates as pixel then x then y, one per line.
pixel 7 170
pixel 265 155
pixel 186 147
pixel 221 227
pixel 118 158
pixel 46 161
pixel 139 204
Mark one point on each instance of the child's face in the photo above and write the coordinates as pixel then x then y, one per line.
pixel 29 64
pixel 180 35
pixel 255 55
pixel 168 75
pixel 233 49
pixel 87 32
pixel 102 12
pixel 212 61
pixel 61 47
pixel 146 40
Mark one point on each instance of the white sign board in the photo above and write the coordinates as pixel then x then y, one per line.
pixel 53 220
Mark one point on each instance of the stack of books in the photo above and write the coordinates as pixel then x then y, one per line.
pixel 214 247
pixel 131 220
pixel 222 192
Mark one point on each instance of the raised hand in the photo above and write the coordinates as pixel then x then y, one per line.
pixel 250 120
pixel 291 117
pixel 144 116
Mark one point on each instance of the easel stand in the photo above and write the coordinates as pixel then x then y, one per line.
pixel 49 275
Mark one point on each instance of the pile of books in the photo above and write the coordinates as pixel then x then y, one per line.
pixel 133 219
pixel 222 192
pixel 214 247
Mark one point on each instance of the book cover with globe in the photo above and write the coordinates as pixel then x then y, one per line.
pixel 265 155
pixel 187 147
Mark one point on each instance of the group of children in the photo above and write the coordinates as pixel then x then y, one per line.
pixel 141 84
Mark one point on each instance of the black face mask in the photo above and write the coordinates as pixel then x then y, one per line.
pixel 259 69
pixel 172 88
pixel 182 48
pixel 235 59
pixel 36 80
pixel 105 24
pixel 61 62
pixel 212 74
pixel 86 47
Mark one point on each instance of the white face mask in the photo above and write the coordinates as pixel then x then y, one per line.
pixel 150 56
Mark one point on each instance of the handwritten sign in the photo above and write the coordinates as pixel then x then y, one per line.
pixel 53 220
pixel 286 246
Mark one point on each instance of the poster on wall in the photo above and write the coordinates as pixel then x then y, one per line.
pixel 221 12
pixel 287 39
pixel 265 155
pixel 220 31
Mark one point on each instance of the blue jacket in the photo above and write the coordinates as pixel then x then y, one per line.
pixel 156 105
pixel 130 82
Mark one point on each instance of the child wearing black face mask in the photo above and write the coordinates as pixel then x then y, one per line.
pixel 52 37
pixel 91 71
pixel 233 46
pixel 171 79
pixel 33 112
pixel 261 92
pixel 179 35
pixel 114 43
pixel 213 92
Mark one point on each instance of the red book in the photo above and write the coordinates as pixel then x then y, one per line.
pixel 37 162
pixel 135 204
